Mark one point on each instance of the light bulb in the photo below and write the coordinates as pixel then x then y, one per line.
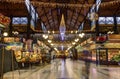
pixel 5 34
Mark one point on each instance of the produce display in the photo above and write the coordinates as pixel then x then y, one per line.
pixel 27 56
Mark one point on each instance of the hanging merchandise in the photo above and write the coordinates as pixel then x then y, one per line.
pixel 4 21
pixel 93 16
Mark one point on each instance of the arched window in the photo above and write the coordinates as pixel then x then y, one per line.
pixel 118 20
pixel 101 20
pixel 19 20
pixel 106 20
pixel 109 20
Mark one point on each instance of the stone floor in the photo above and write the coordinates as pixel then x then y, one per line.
pixel 59 69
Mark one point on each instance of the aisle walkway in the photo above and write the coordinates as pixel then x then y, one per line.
pixel 68 70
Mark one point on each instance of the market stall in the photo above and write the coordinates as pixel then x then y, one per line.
pixel 5 55
pixel 106 51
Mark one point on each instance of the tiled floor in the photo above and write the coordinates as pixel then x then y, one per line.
pixel 59 69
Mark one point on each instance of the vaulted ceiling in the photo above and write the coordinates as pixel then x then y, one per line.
pixel 74 16
pixel 51 15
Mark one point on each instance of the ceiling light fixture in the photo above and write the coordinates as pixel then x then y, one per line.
pixel 49 41
pixel 5 34
pixel 76 40
pixel 73 43
pixel 45 36
pixel 53 31
pixel 62 28
pixel 71 31
pixel 48 31
pixel 51 44
pixel 81 35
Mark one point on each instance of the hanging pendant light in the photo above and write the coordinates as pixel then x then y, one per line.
pixel 62 27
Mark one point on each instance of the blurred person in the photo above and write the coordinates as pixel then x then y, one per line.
pixel 86 69
pixel 64 58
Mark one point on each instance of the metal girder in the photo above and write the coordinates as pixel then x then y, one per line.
pixel 53 20
pixel 45 13
pixel 78 15
pixel 72 16
pixel 46 16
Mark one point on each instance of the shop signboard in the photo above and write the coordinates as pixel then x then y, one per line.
pixel 114 37
pixel 13 43
pixel 11 39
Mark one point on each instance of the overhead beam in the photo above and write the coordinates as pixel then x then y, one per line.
pixel 45 13
pixel 71 17
pixel 78 15
pixel 53 20
pixel 47 18
pixel 84 18
pixel 58 16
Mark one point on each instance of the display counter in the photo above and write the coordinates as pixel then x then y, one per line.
pixel 25 57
